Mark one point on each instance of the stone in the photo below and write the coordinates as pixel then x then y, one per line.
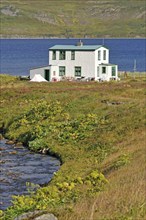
pixel 18 144
pixel 36 215
pixel 46 217
pixel 28 215
pixel 10 142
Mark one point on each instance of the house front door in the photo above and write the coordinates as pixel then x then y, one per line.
pixel 47 75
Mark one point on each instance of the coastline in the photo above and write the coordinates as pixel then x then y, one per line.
pixel 63 37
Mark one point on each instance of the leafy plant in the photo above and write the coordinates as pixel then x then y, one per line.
pixel 122 160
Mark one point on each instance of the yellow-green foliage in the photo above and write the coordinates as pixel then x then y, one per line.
pixel 61 18
pixel 61 193
pixel 91 136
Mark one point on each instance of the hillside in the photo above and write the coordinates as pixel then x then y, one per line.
pixel 98 132
pixel 62 18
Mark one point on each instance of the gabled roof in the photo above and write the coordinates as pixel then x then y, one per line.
pixel 77 48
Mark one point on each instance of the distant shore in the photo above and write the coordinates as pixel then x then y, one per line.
pixel 63 37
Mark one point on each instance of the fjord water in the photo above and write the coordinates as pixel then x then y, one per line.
pixel 18 56
pixel 20 166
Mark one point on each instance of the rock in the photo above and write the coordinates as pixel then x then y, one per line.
pixel 18 144
pixel 10 142
pixel 13 152
pixel 2 161
pixel 34 216
pixel 46 217
pixel 28 215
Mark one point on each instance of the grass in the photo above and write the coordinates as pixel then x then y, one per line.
pixel 98 18
pixel 98 132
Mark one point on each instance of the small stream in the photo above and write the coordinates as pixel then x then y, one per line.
pixel 19 166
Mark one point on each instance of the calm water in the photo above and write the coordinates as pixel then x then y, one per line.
pixel 20 55
pixel 18 166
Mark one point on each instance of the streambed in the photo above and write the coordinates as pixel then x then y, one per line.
pixel 19 166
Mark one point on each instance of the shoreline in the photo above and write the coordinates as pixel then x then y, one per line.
pixel 2 37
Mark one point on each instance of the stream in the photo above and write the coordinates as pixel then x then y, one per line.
pixel 19 166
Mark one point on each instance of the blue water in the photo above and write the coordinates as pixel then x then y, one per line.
pixel 20 166
pixel 18 56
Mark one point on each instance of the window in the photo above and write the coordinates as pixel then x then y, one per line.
pixel 62 55
pixel 72 55
pixel 113 71
pixel 77 71
pixel 61 70
pixel 104 55
pixel 99 55
pixel 103 69
pixel 98 71
pixel 53 55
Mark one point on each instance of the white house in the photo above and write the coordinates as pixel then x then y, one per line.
pixel 78 62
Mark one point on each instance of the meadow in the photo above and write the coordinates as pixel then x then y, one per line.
pixel 97 130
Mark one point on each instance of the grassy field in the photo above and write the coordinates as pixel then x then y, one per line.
pixel 62 18
pixel 98 132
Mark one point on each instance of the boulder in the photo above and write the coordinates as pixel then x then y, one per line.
pixel 36 215
pixel 46 217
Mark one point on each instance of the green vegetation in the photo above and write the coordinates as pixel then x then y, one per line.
pixel 98 132
pixel 62 18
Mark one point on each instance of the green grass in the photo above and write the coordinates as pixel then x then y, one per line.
pixel 116 18
pixel 100 144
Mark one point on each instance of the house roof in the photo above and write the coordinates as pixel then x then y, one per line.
pixel 77 48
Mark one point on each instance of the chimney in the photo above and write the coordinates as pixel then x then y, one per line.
pixel 80 43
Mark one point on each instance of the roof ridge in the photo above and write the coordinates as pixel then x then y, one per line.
pixel 75 47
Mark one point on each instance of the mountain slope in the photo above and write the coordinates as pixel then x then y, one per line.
pixel 98 18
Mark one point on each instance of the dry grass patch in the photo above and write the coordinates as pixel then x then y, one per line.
pixel 125 197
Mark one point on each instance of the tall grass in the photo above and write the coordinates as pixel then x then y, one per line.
pixel 98 132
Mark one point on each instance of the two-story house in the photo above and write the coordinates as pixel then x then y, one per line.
pixel 78 62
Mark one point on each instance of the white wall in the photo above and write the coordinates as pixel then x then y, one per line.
pixel 54 73
pixel 88 60
pixel 101 49
pixel 108 75
pixel 85 59
pixel 97 61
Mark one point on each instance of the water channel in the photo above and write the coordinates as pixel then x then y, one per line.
pixel 20 166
